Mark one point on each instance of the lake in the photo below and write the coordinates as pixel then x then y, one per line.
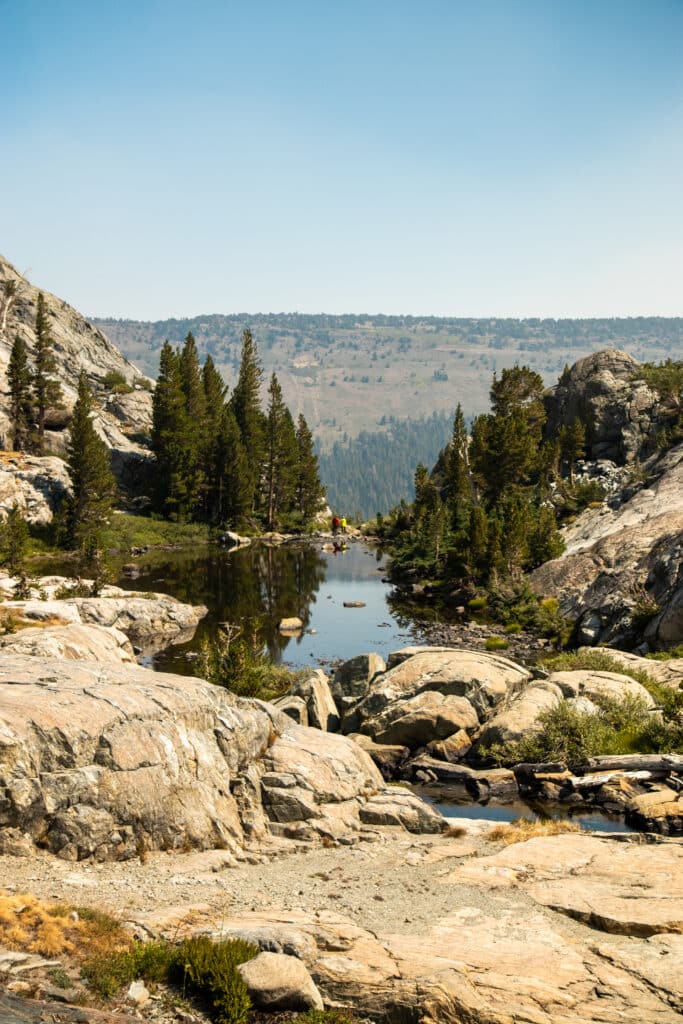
pixel 266 584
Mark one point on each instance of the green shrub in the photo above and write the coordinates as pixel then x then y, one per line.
pixel 671 652
pixel 478 603
pixel 199 966
pixel 235 659
pixel 513 628
pixel 208 969
pixel 116 383
pixel 496 643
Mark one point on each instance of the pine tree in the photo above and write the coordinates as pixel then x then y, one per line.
pixel 309 490
pixel 214 400
pixel 169 432
pixel 14 540
pixel 478 540
pixel 281 456
pixel 92 484
pixel 246 406
pixel 232 495
pixel 20 406
pixel 196 433
pixel 572 438
pixel 47 391
pixel 214 397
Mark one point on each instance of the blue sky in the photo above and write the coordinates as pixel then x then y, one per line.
pixel 450 158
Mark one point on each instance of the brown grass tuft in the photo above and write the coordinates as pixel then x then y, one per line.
pixel 28 925
pixel 454 832
pixel 522 829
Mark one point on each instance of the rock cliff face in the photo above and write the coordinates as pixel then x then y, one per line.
pixel 621 414
pixel 78 345
pixel 620 561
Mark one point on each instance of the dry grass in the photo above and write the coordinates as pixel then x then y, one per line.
pixel 31 926
pixel 522 829
pixel 454 832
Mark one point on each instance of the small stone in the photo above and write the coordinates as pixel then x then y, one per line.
pixel 138 993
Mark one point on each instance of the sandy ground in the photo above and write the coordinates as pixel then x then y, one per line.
pixel 394 884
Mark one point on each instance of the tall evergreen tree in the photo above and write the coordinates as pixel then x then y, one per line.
pixel 169 433
pixel 14 540
pixel 20 405
pixel 309 490
pixel 92 484
pixel 47 390
pixel 231 495
pixel 196 432
pixel 246 406
pixel 214 397
pixel 572 439
pixel 281 456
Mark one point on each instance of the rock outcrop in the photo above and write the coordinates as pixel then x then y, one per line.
pixel 624 565
pixel 121 420
pixel 621 413
pixel 149 620
pixel 73 642
pixel 105 759
pixel 36 484
pixel 579 928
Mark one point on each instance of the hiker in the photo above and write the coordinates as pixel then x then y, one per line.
pixel 335 524
pixel 343 524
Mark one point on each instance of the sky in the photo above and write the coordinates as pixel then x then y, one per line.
pixel 457 158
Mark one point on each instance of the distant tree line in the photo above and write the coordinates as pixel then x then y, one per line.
pixel 228 461
pixel 374 471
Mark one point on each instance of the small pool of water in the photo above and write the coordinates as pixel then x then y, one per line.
pixel 262 585
pixel 592 820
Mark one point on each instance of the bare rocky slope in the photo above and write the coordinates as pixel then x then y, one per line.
pixel 624 563
pixel 121 420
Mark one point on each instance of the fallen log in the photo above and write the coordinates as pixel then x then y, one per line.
pixel 601 778
pixel 662 763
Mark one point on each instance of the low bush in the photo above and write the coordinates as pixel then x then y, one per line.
pixel 477 604
pixel 497 643
pixel 235 658
pixel 116 383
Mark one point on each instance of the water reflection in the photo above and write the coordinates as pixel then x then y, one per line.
pixel 262 585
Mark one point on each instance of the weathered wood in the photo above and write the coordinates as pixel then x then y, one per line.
pixel 663 763
pixel 601 778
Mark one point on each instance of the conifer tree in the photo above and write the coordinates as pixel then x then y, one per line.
pixel 572 441
pixel 214 398
pixel 195 429
pixel 231 495
pixel 281 456
pixel 20 405
pixel 309 490
pixel 14 540
pixel 246 406
pixel 478 536
pixel 47 391
pixel 92 484
pixel 169 433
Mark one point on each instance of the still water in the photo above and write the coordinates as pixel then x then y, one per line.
pixel 591 820
pixel 263 585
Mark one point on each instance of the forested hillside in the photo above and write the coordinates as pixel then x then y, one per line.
pixel 350 373
pixel 373 472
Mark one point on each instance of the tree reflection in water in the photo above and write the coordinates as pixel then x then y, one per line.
pixel 257 585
